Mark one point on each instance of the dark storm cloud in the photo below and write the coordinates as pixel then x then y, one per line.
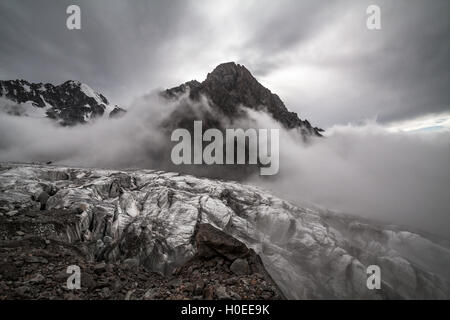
pixel 117 47
pixel 317 55
pixel 399 72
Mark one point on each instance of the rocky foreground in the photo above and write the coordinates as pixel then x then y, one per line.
pixel 146 234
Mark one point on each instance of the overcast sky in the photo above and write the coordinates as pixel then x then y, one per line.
pixel 318 56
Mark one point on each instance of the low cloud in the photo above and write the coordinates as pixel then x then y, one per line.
pixel 365 170
pixel 395 177
pixel 130 141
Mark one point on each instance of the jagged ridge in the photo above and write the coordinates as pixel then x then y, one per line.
pixel 231 85
pixel 70 103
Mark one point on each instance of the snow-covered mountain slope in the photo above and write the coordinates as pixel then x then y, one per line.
pixel 152 217
pixel 70 103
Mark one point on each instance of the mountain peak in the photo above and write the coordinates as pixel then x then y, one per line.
pixel 229 68
pixel 69 103
pixel 232 76
pixel 72 82
pixel 230 86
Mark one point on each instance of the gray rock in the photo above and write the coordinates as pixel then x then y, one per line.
pixel 100 244
pixel 131 262
pixel 21 291
pixel 234 295
pixel 11 213
pixel 87 235
pixel 240 267
pixel 221 293
pixel 150 294
pixel 106 292
pixel 61 276
pixel 198 288
pixel 37 278
pixel 87 281
pixel 129 294
pixel 107 240
pixel 208 293
pixel 100 267
pixel 35 259
pixel 42 199
pixel 174 283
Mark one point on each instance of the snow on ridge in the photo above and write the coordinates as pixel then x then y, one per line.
pixel 48 96
pixel 88 91
pixel 108 109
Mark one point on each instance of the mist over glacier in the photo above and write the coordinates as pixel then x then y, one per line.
pixel 364 170
pixel 367 171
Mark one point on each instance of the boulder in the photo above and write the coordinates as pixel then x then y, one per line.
pixel 240 267
pixel 212 242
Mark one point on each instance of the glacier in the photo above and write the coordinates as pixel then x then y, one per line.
pixel 151 216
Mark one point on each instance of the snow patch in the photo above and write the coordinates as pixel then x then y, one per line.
pixel 88 91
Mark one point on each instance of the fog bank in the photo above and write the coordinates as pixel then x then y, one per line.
pixel 397 177
pixel 365 170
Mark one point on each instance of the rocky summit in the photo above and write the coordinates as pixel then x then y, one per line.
pixel 231 86
pixel 144 234
pixel 69 103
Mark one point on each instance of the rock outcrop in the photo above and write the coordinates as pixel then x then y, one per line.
pixel 231 86
pixel 172 225
pixel 69 103
pixel 38 247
